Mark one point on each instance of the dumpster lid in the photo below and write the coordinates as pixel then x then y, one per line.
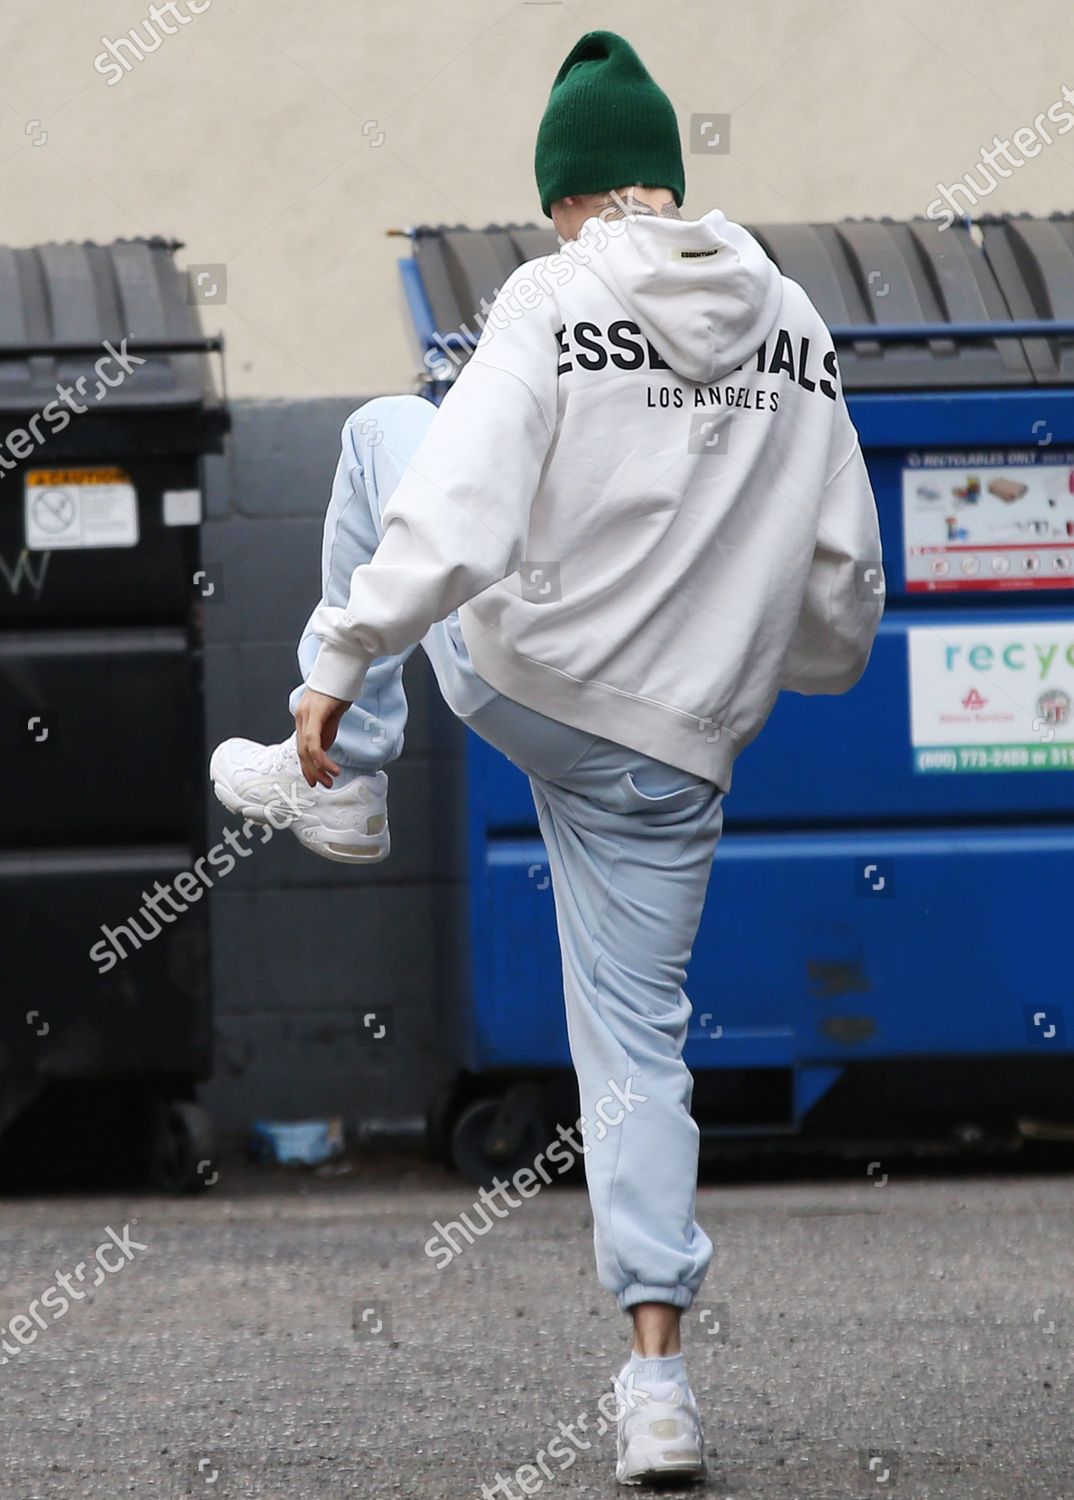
pixel 860 274
pixel 63 306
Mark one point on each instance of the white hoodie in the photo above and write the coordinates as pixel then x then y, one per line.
pixel 643 494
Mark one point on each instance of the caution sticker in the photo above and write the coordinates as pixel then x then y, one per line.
pixel 83 507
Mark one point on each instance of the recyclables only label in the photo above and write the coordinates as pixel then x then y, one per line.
pixel 992 697
pixel 995 520
pixel 84 507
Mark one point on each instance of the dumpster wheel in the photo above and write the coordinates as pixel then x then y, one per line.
pixel 482 1148
pixel 181 1151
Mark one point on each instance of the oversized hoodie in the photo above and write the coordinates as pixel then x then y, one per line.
pixel 643 494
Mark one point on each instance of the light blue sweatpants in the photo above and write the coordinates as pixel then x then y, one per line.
pixel 630 843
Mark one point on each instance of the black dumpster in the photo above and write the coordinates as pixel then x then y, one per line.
pixel 107 406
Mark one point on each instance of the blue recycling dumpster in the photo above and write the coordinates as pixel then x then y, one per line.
pixel 885 939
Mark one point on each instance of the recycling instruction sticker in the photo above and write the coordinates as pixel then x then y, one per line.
pixel 992 697
pixel 994 520
pixel 83 507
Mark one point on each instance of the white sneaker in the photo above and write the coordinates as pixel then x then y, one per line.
pixel 659 1434
pixel 347 822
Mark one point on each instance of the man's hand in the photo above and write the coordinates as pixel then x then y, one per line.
pixel 316 726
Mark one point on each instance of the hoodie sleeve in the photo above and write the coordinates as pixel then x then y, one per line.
pixel 458 520
pixel 844 595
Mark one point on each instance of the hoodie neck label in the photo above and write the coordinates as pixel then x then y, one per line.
pixel 694 254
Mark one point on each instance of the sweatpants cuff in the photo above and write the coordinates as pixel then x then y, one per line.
pixel 678 1296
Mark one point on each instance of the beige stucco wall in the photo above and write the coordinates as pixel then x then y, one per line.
pixel 282 138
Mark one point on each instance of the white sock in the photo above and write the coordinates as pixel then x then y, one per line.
pixel 651 1370
pixel 347 774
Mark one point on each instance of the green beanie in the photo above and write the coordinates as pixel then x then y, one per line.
pixel 607 125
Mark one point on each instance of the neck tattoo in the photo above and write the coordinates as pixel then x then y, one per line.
pixel 616 207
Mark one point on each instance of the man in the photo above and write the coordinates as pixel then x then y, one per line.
pixel 639 513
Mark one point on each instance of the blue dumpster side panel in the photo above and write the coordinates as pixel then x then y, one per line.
pixel 817 949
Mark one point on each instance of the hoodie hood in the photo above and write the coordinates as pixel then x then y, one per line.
pixel 702 291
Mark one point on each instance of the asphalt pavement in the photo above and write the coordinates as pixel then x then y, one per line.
pixel 884 1331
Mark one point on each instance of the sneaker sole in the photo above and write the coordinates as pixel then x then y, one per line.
pixel 641 1465
pixel 665 1478
pixel 320 840
pixel 315 837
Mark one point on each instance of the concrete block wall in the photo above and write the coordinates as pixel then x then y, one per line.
pixel 304 948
